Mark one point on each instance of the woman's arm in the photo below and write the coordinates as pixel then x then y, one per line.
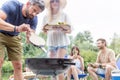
pixel 82 62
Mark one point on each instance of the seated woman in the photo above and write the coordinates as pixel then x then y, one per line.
pixel 79 64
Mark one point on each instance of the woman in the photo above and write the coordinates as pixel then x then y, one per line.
pixel 57 39
pixel 79 64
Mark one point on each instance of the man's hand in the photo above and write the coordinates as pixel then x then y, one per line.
pixel 90 64
pixel 28 34
pixel 95 65
pixel 23 28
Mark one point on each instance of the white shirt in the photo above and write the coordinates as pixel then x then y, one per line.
pixel 57 37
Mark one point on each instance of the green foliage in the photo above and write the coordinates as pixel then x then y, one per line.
pixel 88 56
pixel 7 66
pixel 84 41
pixel 115 43
pixel 43 35
pixel 84 37
pixel 29 50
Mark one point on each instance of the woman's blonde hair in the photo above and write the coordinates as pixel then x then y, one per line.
pixel 47 5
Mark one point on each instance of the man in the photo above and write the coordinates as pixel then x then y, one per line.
pixel 105 62
pixel 14 14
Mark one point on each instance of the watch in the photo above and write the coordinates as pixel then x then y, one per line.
pixel 100 65
pixel 15 29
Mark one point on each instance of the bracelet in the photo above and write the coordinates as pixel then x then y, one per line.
pixel 15 29
pixel 100 66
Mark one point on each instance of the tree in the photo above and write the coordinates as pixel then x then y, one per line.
pixel 115 43
pixel 84 40
pixel 87 36
pixel 29 50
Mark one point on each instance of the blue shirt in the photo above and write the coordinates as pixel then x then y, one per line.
pixel 13 9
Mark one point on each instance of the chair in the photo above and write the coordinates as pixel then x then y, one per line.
pixel 101 75
pixel 80 76
pixel 118 65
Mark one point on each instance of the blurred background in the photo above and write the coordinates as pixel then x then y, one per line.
pixel 91 19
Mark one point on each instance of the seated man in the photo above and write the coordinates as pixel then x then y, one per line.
pixel 105 62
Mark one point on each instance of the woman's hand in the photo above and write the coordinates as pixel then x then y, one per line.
pixel 74 56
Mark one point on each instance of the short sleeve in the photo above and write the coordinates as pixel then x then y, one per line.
pixel 9 7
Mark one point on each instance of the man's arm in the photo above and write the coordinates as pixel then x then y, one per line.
pixel 4 25
pixel 98 58
pixel 9 27
pixel 97 63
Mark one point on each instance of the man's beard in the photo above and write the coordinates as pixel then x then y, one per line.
pixel 28 15
pixel 100 48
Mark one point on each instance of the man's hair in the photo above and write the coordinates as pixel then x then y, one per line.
pixel 40 3
pixel 102 40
